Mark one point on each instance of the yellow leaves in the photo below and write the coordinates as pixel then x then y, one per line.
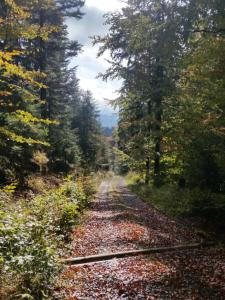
pixel 33 31
pixel 27 118
pixel 11 69
pixel 46 30
pixel 8 56
pixel 44 4
pixel 10 188
pixel 17 24
pixel 20 139
pixel 40 158
pixel 17 11
pixel 5 93
pixel 15 78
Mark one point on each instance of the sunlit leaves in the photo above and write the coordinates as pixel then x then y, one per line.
pixel 21 139
pixel 16 79
pixel 31 237
pixel 16 11
pixel 27 118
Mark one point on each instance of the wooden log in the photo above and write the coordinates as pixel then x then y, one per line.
pixel 109 256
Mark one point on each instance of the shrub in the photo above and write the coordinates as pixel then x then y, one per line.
pixel 31 233
pixel 168 199
pixel 28 258
pixel 40 159
pixel 59 210
pixel 39 184
pixel 196 202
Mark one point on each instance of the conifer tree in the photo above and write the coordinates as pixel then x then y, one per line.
pixel 145 48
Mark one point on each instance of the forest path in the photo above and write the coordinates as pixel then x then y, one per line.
pixel 119 221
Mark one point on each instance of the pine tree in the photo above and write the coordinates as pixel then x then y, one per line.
pixel 36 84
pixel 88 127
pixel 145 45
pixel 54 60
pixel 22 127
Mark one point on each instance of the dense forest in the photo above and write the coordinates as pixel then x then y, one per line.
pixel 168 146
pixel 49 127
pixel 47 121
pixel 170 57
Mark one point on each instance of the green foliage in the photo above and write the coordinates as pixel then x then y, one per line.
pixel 43 111
pixel 60 209
pixel 169 199
pixel 125 163
pixel 178 202
pixel 16 80
pixel 27 254
pixel 170 56
pixel 31 239
pixel 88 129
pixel 145 50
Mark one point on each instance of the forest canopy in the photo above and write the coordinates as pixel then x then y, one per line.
pixel 41 102
pixel 170 57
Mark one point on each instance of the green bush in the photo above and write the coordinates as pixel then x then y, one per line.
pixel 27 256
pixel 176 202
pixel 59 210
pixel 31 234
pixel 168 199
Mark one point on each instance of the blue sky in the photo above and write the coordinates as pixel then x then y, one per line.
pixel 88 65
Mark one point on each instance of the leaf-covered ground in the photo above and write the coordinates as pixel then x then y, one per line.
pixel 117 221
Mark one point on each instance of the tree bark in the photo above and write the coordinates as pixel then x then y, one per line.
pixel 109 256
pixel 147 176
pixel 158 120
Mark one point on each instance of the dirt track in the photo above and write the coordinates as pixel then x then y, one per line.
pixel 119 221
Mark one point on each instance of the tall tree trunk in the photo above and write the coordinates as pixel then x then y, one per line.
pixel 157 161
pixel 42 64
pixel 147 175
pixel 148 160
pixel 158 121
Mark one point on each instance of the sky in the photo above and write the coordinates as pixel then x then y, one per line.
pixel 88 65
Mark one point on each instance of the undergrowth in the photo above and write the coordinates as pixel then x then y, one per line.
pixel 32 236
pixel 202 205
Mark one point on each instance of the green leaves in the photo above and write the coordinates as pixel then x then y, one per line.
pixel 32 236
pixel 145 51
pixel 17 81
pixel 170 56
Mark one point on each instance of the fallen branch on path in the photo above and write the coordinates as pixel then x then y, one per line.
pixel 109 256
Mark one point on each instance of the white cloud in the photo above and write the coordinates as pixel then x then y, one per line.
pixel 106 5
pixel 88 64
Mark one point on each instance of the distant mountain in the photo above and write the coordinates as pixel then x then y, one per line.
pixel 109 120
pixel 108 116
pixel 107 131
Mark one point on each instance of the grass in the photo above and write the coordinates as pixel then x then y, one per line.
pixel 168 199
pixel 205 209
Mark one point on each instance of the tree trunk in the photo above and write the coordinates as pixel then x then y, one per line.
pixel 147 176
pixel 157 157
pixel 132 253
pixel 42 65
pixel 158 121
